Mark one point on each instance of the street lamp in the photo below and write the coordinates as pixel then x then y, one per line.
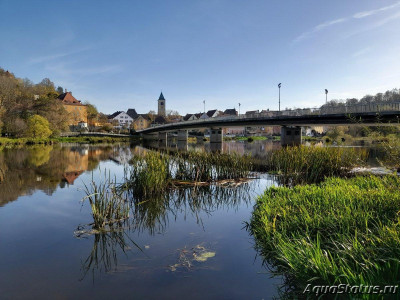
pixel 279 87
pixel 326 96
pixel 239 110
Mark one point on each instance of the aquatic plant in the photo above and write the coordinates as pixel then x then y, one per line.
pixel 148 175
pixel 310 164
pixel 340 231
pixel 107 203
pixel 154 172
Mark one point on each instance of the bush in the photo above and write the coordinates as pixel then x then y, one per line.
pixel 38 127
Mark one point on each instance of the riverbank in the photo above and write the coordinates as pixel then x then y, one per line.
pixel 9 142
pixel 339 231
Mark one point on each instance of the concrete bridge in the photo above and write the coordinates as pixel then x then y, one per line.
pixel 290 121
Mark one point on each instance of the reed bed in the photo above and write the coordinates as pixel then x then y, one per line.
pixel 339 231
pixel 155 172
pixel 108 205
pixel 310 164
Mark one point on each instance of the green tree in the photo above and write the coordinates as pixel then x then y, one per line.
pixel 92 112
pixel 38 127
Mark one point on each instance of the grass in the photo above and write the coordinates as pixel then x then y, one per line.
pixel 11 142
pixel 154 172
pixel 310 164
pixel 24 141
pixel 107 203
pixel 340 231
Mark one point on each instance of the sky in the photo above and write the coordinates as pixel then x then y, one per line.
pixel 122 54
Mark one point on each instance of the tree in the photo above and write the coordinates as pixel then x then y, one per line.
pixel 92 112
pixel 60 90
pixel 38 127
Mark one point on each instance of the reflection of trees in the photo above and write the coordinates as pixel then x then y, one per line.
pixel 40 167
pixel 153 214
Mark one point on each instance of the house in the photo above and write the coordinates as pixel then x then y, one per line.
pixel 231 112
pixel 120 119
pixel 159 120
pixel 252 113
pixel 213 113
pixel 190 117
pixel 132 113
pixel 142 121
pixel 77 112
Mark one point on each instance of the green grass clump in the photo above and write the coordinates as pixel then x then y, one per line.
pixel 154 172
pixel 108 206
pixel 311 164
pixel 149 174
pixel 340 231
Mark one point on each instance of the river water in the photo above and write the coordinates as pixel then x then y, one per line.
pixel 192 245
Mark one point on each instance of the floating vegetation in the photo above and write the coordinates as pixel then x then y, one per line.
pixel 190 258
pixel 340 231
pixel 311 164
pixel 109 207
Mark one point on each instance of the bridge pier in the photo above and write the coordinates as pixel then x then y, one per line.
pixel 182 135
pixel 182 145
pixel 216 135
pixel 290 135
pixel 162 136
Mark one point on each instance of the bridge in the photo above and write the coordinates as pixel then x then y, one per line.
pixel 290 121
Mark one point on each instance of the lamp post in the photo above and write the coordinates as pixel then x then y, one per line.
pixel 204 106
pixel 326 96
pixel 279 87
pixel 239 110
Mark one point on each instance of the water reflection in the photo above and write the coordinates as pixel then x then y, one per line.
pixel 103 256
pixel 24 170
pixel 152 215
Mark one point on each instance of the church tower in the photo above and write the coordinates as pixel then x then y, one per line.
pixel 161 105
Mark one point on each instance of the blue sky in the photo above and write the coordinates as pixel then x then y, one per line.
pixel 121 54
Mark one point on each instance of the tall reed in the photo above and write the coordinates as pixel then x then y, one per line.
pixel 310 164
pixel 107 203
pixel 155 172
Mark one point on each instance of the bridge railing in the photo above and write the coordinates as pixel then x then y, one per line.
pixel 316 111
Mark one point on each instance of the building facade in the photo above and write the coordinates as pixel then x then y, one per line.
pixel 77 112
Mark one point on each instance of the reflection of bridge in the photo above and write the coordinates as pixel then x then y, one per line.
pixel 290 120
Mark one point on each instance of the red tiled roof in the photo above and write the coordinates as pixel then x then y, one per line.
pixel 67 98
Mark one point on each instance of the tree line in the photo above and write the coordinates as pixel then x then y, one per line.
pixel 386 97
pixel 31 110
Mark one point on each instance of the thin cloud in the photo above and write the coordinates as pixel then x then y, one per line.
pixel 318 28
pixel 364 14
pixel 46 58
pixel 358 15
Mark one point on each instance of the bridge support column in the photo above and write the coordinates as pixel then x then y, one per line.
pixel 182 145
pixel 216 135
pixel 290 135
pixel 216 147
pixel 162 136
pixel 182 135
